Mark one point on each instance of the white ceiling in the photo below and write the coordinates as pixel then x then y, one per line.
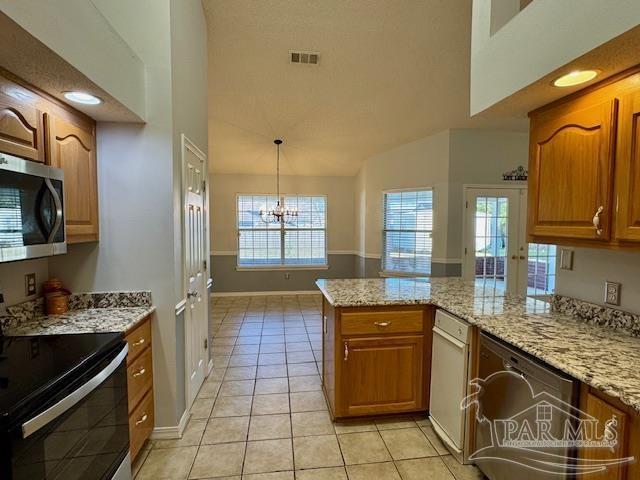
pixel 390 72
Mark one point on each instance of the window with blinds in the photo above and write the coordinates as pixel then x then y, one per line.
pixel 299 243
pixel 407 232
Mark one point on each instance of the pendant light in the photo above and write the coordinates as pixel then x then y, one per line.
pixel 278 214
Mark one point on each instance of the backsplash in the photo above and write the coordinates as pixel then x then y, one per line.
pixel 608 317
pixel 77 301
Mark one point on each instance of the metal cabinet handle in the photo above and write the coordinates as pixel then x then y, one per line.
pixel 138 343
pixel 346 351
pixel 143 419
pixel 382 324
pixel 596 220
pixel 192 293
pixel 140 372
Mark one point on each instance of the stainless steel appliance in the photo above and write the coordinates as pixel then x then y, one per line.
pixel 449 383
pixel 521 388
pixel 31 210
pixel 64 408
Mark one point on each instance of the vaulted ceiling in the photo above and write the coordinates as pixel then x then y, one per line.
pixel 390 72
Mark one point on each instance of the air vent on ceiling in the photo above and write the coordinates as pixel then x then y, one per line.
pixel 307 58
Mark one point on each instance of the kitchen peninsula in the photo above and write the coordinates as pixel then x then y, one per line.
pixel 385 323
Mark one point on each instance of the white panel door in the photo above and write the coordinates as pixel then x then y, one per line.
pixel 195 270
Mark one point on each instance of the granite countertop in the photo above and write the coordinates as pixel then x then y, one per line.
pixel 90 320
pixel 102 312
pixel 595 345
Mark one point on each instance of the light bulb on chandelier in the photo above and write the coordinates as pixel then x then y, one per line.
pixel 278 214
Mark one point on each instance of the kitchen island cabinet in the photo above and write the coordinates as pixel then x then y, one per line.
pixel 376 360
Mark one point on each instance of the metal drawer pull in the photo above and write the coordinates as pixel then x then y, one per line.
pixel 138 343
pixel 346 351
pixel 142 371
pixel 143 419
pixel 382 324
pixel 596 220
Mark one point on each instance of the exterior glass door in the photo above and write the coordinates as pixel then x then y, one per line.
pixel 496 251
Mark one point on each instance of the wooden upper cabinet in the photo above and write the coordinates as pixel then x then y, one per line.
pixel 20 124
pixel 572 149
pixel 628 169
pixel 72 148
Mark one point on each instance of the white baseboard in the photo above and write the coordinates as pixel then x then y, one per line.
pixel 171 433
pixel 260 294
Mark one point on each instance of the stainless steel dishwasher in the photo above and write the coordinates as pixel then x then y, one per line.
pixel 528 391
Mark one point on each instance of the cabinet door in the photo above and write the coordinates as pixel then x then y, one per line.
pixel 603 412
pixel 72 148
pixel 628 170
pixel 571 172
pixel 382 375
pixel 20 127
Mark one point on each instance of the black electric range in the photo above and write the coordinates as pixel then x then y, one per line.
pixel 63 407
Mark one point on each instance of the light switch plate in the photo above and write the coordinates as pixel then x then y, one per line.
pixel 566 259
pixel 612 293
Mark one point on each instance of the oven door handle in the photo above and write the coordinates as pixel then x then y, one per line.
pixel 36 423
pixel 57 202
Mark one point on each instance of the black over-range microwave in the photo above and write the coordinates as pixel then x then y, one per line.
pixel 31 209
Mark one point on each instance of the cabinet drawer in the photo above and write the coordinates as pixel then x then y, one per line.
pixel 138 339
pixel 139 378
pixel 141 423
pixel 365 323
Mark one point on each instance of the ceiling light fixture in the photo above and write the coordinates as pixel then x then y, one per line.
pixel 575 78
pixel 278 214
pixel 82 97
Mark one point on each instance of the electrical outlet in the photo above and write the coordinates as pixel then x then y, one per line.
pixel 612 293
pixel 30 284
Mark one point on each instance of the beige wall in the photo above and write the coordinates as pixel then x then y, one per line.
pixel 340 205
pixel 479 157
pixel 12 274
pixel 423 163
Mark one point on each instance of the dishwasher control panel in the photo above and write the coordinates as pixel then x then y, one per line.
pixel 452 325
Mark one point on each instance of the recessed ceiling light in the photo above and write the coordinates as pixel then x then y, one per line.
pixel 82 97
pixel 575 78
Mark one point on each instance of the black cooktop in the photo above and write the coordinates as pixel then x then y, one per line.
pixel 33 368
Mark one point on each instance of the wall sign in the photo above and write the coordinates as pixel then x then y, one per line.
pixel 519 174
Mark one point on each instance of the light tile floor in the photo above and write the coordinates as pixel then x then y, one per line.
pixel 261 414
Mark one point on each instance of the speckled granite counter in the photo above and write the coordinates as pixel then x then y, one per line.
pixel 89 313
pixel 600 349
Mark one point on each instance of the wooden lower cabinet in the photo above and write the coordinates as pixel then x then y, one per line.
pixel 382 375
pixel 603 408
pixel 140 385
pixel 376 361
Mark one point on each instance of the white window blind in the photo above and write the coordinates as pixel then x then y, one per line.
pixel 407 232
pixel 299 243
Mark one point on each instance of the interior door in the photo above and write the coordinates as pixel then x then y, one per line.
pixel 195 268
pixel 493 230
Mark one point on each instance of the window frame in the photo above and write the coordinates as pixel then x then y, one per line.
pixel 282 230
pixel 395 273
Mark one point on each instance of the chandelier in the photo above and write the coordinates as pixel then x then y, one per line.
pixel 278 214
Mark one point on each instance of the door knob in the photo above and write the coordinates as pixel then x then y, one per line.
pixel 192 294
